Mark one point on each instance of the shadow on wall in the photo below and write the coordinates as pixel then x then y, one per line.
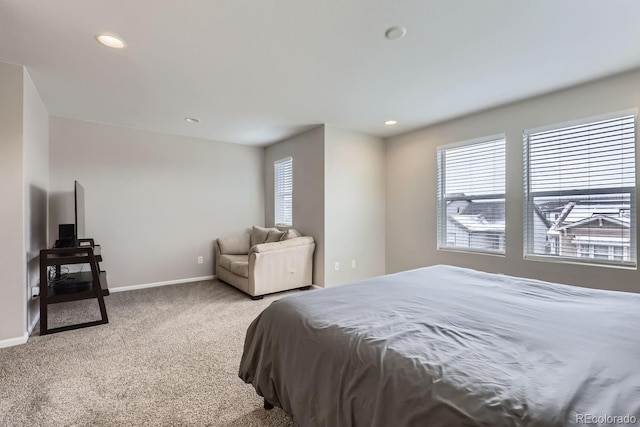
pixel 61 211
pixel 37 231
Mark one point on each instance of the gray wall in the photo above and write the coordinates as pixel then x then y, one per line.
pixel 354 205
pixel 36 187
pixel 155 202
pixel 12 262
pixel 411 184
pixel 338 198
pixel 307 151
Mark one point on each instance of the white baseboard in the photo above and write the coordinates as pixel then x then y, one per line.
pixel 10 342
pixel 156 284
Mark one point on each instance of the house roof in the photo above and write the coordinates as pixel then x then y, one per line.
pixel 622 221
pixel 477 223
pixel 489 209
pixel 588 210
pixel 255 72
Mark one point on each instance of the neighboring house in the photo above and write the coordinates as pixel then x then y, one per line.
pixel 599 237
pixel 476 224
pixel 597 228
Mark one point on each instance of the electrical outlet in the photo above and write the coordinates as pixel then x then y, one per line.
pixel 336 266
pixel 353 263
pixel 200 260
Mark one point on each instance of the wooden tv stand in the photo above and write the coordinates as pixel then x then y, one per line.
pixel 72 286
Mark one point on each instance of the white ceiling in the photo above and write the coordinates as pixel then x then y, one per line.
pixel 256 71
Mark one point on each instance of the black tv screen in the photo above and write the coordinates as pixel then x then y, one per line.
pixel 79 210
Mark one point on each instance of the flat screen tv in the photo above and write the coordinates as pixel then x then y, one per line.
pixel 68 234
pixel 79 210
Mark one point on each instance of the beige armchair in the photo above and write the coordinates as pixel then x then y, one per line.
pixel 264 261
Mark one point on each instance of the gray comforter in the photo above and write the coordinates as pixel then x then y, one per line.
pixel 447 346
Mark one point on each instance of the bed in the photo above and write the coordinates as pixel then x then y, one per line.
pixel 448 346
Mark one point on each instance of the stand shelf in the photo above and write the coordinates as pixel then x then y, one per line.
pixel 72 286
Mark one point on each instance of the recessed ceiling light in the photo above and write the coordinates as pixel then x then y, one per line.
pixel 390 122
pixel 110 40
pixel 192 120
pixel 395 33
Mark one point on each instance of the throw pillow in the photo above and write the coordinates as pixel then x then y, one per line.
pixel 290 234
pixel 274 236
pixel 259 235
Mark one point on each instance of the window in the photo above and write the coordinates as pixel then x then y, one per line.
pixel 580 191
pixel 618 253
pixel 471 181
pixel 283 177
pixel 601 252
pixel 584 251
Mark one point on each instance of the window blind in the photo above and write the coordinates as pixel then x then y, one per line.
pixel 283 177
pixel 471 195
pixel 580 197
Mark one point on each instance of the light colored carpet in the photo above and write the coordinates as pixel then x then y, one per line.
pixel 169 356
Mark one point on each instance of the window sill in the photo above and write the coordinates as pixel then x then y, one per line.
pixel 575 261
pixel 501 254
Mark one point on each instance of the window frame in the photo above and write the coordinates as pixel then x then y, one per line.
pixel 442 237
pixel 277 195
pixel 528 199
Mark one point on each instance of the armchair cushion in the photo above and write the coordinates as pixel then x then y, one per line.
pixel 237 264
pixel 235 245
pixel 240 268
pixel 227 260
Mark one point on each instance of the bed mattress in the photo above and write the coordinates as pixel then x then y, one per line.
pixel 448 346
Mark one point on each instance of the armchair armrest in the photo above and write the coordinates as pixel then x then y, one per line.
pixel 280 266
pixel 285 244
